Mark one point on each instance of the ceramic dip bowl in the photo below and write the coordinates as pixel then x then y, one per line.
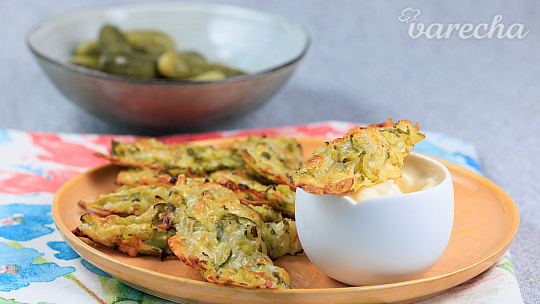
pixel 384 239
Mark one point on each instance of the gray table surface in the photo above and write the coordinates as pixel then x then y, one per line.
pixel 362 67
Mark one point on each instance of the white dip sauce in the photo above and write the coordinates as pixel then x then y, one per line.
pixel 407 183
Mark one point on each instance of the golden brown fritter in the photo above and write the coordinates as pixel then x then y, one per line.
pixel 279 197
pixel 281 238
pixel 282 199
pixel 133 234
pixel 219 235
pixel 270 160
pixel 249 191
pixel 128 200
pixel 364 156
pixel 134 176
pixel 176 158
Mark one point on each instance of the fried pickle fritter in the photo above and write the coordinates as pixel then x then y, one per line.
pixel 176 158
pixel 281 238
pixel 271 160
pixel 267 213
pixel 129 200
pixel 239 177
pixel 280 197
pixel 221 236
pixel 248 190
pixel 132 235
pixel 364 156
pixel 142 176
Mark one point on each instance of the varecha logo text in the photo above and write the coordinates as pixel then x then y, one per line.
pixel 494 29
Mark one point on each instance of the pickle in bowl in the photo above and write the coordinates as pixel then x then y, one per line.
pixel 146 54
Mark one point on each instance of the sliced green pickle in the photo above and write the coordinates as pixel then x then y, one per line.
pixel 111 40
pixel 87 61
pixel 150 42
pixel 209 76
pixel 129 64
pixel 90 48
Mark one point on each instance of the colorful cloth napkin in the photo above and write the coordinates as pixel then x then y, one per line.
pixel 37 266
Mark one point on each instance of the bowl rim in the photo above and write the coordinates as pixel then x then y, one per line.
pixel 164 81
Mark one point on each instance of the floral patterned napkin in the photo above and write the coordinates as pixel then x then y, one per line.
pixel 37 266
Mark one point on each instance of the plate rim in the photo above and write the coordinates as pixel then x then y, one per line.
pixel 497 252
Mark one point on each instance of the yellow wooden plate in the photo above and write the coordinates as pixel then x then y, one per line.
pixel 486 220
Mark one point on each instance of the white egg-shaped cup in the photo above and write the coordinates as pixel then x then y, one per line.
pixel 380 240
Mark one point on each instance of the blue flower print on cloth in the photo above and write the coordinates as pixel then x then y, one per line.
pixel 21 266
pixel 94 269
pixel 20 222
pixel 65 252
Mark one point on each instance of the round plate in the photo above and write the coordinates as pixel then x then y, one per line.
pixel 486 220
